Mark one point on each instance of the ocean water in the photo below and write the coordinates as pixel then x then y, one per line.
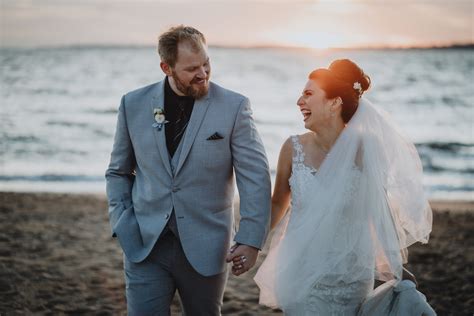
pixel 59 107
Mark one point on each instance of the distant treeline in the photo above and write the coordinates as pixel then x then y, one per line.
pixel 457 46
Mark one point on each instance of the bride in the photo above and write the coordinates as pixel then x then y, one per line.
pixel 357 201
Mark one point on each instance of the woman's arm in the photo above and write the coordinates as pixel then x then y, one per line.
pixel 281 192
pixel 407 275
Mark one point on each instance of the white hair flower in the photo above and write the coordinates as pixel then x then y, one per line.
pixel 357 86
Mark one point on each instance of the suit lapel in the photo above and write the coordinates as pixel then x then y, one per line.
pixel 197 116
pixel 158 101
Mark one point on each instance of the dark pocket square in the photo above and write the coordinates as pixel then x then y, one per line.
pixel 215 136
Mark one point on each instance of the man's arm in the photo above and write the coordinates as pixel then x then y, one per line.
pixel 280 202
pixel 120 173
pixel 253 182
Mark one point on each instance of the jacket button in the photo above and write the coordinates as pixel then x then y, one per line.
pixel 167 216
pixel 175 189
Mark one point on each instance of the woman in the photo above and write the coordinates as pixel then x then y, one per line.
pixel 357 201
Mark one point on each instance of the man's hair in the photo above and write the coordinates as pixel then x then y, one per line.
pixel 168 42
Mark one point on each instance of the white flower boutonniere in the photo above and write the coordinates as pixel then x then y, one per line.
pixel 160 119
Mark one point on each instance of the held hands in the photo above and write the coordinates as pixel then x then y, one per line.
pixel 243 258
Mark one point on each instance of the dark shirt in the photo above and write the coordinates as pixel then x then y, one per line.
pixel 173 103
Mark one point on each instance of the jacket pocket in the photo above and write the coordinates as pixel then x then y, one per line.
pixel 119 221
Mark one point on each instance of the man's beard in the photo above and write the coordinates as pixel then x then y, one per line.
pixel 188 89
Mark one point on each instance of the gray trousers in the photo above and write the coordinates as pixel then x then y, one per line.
pixel 152 283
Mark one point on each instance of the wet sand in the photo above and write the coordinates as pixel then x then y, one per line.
pixel 57 258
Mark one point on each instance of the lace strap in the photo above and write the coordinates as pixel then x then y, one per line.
pixel 298 154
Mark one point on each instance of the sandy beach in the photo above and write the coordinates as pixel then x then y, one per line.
pixel 57 258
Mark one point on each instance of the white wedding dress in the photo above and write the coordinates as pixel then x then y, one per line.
pixel 350 221
pixel 327 297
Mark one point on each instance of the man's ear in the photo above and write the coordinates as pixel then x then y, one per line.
pixel 165 68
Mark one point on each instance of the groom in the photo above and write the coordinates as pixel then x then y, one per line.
pixel 170 183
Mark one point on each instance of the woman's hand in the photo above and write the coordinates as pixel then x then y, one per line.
pixel 243 258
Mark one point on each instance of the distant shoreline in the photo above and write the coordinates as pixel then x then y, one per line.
pixel 276 47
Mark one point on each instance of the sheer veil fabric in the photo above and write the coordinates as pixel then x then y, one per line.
pixel 353 220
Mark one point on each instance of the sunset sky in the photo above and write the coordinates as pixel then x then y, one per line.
pixel 318 24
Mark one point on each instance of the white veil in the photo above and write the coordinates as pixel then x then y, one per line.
pixel 360 212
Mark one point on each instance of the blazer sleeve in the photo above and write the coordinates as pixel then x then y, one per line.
pixel 120 174
pixel 252 177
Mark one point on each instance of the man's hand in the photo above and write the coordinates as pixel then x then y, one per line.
pixel 243 258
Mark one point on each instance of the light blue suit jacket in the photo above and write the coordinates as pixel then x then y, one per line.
pixel 142 188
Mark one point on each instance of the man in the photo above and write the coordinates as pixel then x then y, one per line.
pixel 170 183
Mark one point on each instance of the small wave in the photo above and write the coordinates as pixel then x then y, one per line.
pixel 427 167
pixel 455 101
pixel 451 147
pixel 68 124
pixel 53 178
pixel 47 91
pixel 102 133
pixel 47 152
pixel 450 188
pixel 272 122
pixel 104 111
pixel 411 79
pixel 22 139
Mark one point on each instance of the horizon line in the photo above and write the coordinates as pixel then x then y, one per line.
pixel 454 45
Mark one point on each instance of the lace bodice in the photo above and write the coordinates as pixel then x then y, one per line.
pixel 300 174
